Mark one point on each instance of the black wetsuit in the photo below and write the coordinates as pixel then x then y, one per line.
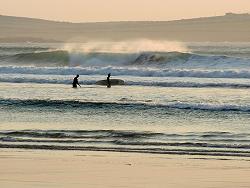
pixel 75 82
pixel 108 82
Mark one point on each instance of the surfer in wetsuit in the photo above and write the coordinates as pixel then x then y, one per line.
pixel 75 82
pixel 108 81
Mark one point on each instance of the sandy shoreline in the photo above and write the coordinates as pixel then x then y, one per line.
pixel 75 169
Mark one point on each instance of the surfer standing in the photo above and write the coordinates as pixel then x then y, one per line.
pixel 108 81
pixel 75 82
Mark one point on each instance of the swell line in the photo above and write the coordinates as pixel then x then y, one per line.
pixel 122 104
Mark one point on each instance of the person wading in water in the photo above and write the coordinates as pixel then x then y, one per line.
pixel 108 81
pixel 75 82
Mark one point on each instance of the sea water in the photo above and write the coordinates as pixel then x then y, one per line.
pixel 193 100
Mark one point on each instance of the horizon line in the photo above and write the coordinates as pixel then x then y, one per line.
pixel 181 19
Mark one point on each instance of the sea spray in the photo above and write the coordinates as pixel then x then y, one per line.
pixel 135 46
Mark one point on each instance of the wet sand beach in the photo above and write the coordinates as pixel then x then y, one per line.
pixel 75 169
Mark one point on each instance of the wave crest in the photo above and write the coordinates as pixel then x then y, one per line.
pixel 148 59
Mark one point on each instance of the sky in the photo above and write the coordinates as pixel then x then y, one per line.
pixel 120 10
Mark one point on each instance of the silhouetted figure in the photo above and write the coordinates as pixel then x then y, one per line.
pixel 75 82
pixel 108 81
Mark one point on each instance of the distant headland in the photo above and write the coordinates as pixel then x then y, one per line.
pixel 231 28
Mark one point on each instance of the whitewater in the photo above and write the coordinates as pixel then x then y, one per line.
pixel 178 98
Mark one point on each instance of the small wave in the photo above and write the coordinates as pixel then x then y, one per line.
pixel 79 134
pixel 35 103
pixel 209 107
pixel 120 142
pixel 128 141
pixel 186 144
pixel 126 137
pixel 119 134
pixel 190 84
pixel 201 152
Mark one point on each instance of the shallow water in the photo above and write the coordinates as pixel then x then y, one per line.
pixel 206 113
pixel 126 118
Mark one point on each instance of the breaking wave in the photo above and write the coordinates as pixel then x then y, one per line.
pixel 64 58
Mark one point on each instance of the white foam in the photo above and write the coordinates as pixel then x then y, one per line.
pixel 126 71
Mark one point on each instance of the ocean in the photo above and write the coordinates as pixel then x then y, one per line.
pixel 178 98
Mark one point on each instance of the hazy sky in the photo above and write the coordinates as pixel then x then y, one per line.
pixel 120 10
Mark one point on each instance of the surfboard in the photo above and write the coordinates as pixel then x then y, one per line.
pixel 113 82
